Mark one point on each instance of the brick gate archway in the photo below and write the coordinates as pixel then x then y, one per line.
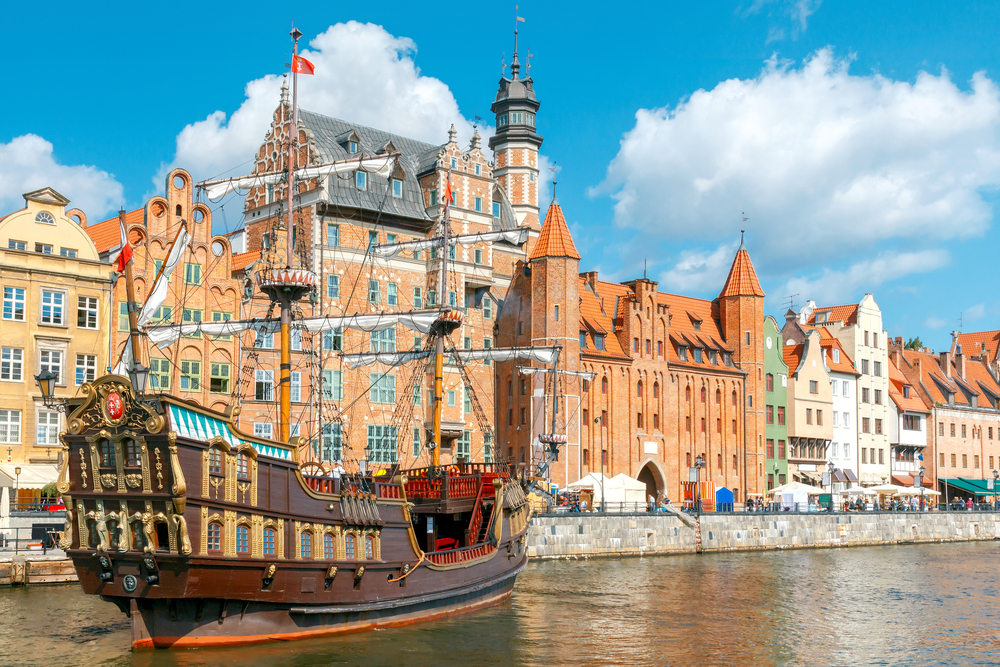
pixel 652 476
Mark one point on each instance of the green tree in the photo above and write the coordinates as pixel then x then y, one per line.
pixel 914 344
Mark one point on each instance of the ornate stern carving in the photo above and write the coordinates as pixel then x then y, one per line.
pixel 110 402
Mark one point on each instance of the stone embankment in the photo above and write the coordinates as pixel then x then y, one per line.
pixel 593 535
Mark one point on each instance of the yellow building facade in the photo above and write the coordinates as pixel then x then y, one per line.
pixel 55 316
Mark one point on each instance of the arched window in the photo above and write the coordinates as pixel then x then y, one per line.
pixel 215 461
pixel 242 540
pixel 269 541
pixel 242 467
pixel 604 385
pixel 214 536
pixel 370 548
pixel 704 394
pixel 638 389
pixel 687 393
pixel 734 397
pixel 329 552
pixel 656 390
pixel 769 382
pixel 305 544
pixel 349 551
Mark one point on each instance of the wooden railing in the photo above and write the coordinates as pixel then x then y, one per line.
pixel 391 491
pixel 476 522
pixel 323 484
pixel 453 556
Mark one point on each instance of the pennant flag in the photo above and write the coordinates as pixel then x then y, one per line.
pixel 302 66
pixel 449 194
pixel 125 254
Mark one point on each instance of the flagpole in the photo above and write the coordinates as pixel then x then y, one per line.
pixel 439 343
pixel 133 306
pixel 285 386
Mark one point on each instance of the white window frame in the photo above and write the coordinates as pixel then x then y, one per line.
pixel 418 300
pixel 50 438
pixel 332 286
pixel 361 180
pixel 265 378
pixel 392 294
pixel 374 292
pixel 18 296
pixel 397 187
pixel 263 430
pixel 383 388
pixel 53 306
pixel 295 387
pixel 12 358
pixel 47 365
pixel 7 421
pixel 383 443
pixel 333 385
pixel 88 367
pixel 91 306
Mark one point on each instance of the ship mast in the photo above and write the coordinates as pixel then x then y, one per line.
pixel 439 342
pixel 285 387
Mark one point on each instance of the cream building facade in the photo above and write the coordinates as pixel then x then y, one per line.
pixel 858 327
pixel 810 408
pixel 55 316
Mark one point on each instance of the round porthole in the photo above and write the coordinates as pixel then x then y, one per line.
pixel 130 582
pixel 218 248
pixel 769 342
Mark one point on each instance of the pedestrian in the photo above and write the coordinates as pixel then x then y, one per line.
pixel 651 504
pixel 968 504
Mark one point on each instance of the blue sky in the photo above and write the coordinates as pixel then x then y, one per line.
pixel 857 137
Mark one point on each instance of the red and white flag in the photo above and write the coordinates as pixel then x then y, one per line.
pixel 125 254
pixel 449 194
pixel 302 66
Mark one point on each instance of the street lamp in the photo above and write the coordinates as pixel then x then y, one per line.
pixel 920 481
pixel 47 384
pixel 831 469
pixel 699 463
pixel 17 483
pixel 138 375
pixel 996 485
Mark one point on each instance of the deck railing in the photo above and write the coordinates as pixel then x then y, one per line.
pixel 453 556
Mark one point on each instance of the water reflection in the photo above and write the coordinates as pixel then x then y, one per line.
pixel 906 605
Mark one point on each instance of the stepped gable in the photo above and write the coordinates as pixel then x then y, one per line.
pixel 555 239
pixel 106 234
pixel 742 280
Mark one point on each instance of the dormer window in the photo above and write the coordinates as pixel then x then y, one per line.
pixel 906 391
pixel 599 341
pixel 454 163
pixel 682 353
pixel 822 317
pixel 45 218
pixel 583 339
pixel 397 187
pixel 697 355
pixel 836 356
pixel 361 180
pixel 713 357
pixel 352 146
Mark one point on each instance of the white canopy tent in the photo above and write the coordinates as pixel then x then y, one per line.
pixel 794 494
pixel 617 490
pixel 33 476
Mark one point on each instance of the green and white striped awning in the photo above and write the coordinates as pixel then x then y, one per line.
pixel 196 426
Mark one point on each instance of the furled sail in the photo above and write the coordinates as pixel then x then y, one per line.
pixel 541 354
pixel 417 320
pixel 586 375
pixel 515 236
pixel 381 165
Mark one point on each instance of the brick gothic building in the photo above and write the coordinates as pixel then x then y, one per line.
pixel 364 413
pixel 197 368
pixel 675 376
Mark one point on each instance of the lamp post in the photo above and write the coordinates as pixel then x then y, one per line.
pixel 699 463
pixel 47 384
pixel 600 426
pixel 17 483
pixel 831 469
pixel 920 481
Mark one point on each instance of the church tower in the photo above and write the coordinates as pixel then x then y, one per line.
pixel 515 144
pixel 741 314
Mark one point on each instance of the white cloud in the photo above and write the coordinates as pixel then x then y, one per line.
pixel 797 11
pixel 934 322
pixel 827 164
pixel 363 74
pixel 847 286
pixel 27 163
pixel 973 313
pixel 700 270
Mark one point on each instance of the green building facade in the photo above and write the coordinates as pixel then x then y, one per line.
pixel 775 406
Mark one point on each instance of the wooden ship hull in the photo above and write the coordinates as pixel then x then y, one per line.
pixel 206 536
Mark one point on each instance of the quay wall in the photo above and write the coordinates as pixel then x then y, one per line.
pixel 594 535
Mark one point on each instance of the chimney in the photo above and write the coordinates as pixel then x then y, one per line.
pixel 899 340
pixel 959 362
pixel 945 358
pixel 590 280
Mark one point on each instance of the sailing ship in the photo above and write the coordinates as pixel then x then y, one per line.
pixel 205 535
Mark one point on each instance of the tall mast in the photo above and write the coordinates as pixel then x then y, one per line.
pixel 439 342
pixel 285 387
pixel 133 305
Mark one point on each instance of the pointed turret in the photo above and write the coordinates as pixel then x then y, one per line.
pixel 555 239
pixel 742 280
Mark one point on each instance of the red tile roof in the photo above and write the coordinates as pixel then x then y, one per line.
pixel 244 259
pixel 846 314
pixel 976 342
pixel 829 343
pixel 592 316
pixel 742 280
pixel 933 378
pixel 555 239
pixel 792 356
pixel 106 235
pixel 897 381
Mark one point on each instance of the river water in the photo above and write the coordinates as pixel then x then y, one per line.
pixel 933 604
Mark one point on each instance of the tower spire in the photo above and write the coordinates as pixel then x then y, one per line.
pixel 743 229
pixel 515 66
